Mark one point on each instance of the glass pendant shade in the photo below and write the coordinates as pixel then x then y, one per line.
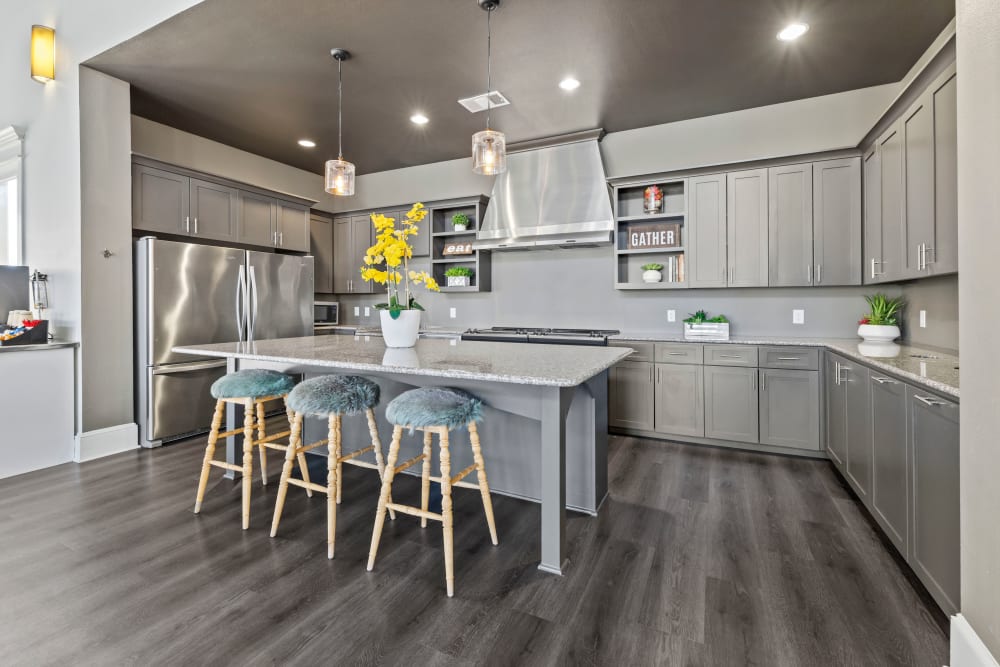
pixel 340 177
pixel 489 152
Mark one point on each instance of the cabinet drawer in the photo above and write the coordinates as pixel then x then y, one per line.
pixel 679 353
pixel 643 349
pixel 730 355
pixel 801 358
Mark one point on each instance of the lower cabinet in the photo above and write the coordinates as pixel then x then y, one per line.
pixel 890 488
pixel 789 408
pixel 731 403
pixel 630 395
pixel 836 412
pixel 679 406
pixel 858 465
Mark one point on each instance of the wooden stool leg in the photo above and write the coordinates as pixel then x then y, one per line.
pixel 261 434
pixel 206 466
pixel 449 554
pixel 425 482
pixel 383 498
pixel 303 465
pixel 377 446
pixel 338 453
pixel 294 442
pixel 484 487
pixel 248 444
pixel 332 475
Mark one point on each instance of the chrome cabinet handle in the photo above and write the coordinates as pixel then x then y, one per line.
pixel 819 273
pixel 658 375
pixel 281 238
pixel 809 273
pixel 930 400
pixel 650 373
pixel 241 287
pixel 881 380
pixel 875 273
pixel 196 225
pixel 763 381
pixel 187 224
pixel 789 358
pixel 253 302
pixel 753 381
pixel 730 356
pixel 921 256
pixel 677 354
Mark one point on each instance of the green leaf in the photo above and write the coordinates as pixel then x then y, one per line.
pixel 414 305
pixel 394 312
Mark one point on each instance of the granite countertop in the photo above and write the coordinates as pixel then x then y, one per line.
pixel 376 330
pixel 516 363
pixel 930 368
pixel 51 345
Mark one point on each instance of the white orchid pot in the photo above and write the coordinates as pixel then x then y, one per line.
pixel 652 277
pixel 879 333
pixel 402 331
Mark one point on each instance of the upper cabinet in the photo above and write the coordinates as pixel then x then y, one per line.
pixel 942 255
pixel 790 225
pixel 293 227
pixel 321 243
pixel 160 200
pixel 707 264
pixel 213 210
pixel 836 222
pixel 746 228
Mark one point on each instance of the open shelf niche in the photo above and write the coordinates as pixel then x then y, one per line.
pixel 443 234
pixel 654 237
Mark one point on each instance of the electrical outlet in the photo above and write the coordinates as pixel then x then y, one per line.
pixel 357 311
pixel 453 313
pixel 671 315
pixel 923 319
pixel 368 311
pixel 798 316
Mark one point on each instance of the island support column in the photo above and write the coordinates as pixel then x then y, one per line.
pixel 555 406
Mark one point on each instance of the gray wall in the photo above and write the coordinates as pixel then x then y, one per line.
pixel 939 297
pixel 978 240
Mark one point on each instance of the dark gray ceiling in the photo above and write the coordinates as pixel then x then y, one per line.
pixel 257 74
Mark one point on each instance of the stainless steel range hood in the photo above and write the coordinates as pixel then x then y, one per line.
pixel 554 194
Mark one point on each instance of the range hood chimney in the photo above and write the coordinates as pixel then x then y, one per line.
pixel 554 194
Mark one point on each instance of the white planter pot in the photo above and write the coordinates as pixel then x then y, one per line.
pixel 879 349
pixel 879 333
pixel 461 228
pixel 458 281
pixel 706 331
pixel 652 277
pixel 402 331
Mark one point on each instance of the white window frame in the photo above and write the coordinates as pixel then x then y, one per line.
pixel 12 166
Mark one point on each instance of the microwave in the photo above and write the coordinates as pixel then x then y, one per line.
pixel 326 312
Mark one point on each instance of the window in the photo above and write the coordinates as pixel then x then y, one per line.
pixel 10 196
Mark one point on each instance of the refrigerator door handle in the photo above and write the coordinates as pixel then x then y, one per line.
pixel 253 304
pixel 241 313
pixel 185 368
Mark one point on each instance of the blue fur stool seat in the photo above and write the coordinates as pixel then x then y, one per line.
pixel 434 406
pixel 252 383
pixel 334 395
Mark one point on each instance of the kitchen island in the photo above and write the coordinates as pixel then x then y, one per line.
pixel 545 428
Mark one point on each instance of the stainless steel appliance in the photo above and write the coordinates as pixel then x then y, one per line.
pixel 326 316
pixel 189 294
pixel 540 335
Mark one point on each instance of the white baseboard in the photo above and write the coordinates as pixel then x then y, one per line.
pixel 967 649
pixel 105 442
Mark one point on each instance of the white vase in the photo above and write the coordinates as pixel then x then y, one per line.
pixel 461 228
pixel 652 277
pixel 879 349
pixel 402 331
pixel 458 281
pixel 879 333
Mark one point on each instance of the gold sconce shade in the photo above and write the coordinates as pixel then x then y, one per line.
pixel 340 177
pixel 43 53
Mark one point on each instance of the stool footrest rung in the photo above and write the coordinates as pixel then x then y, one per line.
pixel 226 466
pixel 462 475
pixel 309 448
pixel 307 485
pixel 464 485
pixel 414 511
pixel 416 459
pixel 276 446
pixel 272 438
pixel 362 464
pixel 346 458
pixel 235 431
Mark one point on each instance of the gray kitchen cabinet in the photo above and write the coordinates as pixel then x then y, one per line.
pixel 790 225
pixel 421 242
pixel 292 227
pixel 641 350
pixel 679 399
pixel 706 232
pixel 789 408
pixel 943 252
pixel 631 395
pixel 934 446
pixel 746 228
pixel 256 218
pixel 160 200
pixel 731 403
pixel 859 449
pixel 361 240
pixel 213 210
pixel 836 412
pixel 836 222
pixel 872 219
pixel 890 486
pixel 891 265
pixel 918 183
pixel 321 244
pixel 351 239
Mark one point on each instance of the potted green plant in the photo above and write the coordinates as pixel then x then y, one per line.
pixel 651 273
pixel 881 324
pixel 459 276
pixel 460 222
pixel 699 326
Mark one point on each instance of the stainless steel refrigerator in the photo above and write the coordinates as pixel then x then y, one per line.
pixel 189 294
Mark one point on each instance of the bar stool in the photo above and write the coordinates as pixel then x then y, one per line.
pixel 434 410
pixel 251 388
pixel 332 397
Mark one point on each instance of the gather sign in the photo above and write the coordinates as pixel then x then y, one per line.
pixel 654 235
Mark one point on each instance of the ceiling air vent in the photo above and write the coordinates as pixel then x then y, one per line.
pixel 478 103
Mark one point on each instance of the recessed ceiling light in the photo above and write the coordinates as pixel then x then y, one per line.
pixel 793 31
pixel 307 143
pixel 569 83
pixel 419 119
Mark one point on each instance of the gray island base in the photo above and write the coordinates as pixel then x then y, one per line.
pixel 544 433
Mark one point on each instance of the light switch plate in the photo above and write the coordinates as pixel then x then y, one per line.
pixel 357 311
pixel 453 313
pixel 923 319
pixel 368 311
pixel 671 315
pixel 798 316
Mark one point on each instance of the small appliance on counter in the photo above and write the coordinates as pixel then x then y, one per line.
pixel 326 316
pixel 541 335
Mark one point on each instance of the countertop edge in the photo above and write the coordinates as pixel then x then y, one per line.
pixel 39 347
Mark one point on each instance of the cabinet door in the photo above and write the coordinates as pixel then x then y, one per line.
pixel 789 408
pixel 256 219
pixel 943 256
pixel 630 395
pixel 293 226
pixel 706 231
pixel 680 399
pixel 837 222
pixel 872 218
pixel 321 244
pixel 344 269
pixel 860 454
pixel 836 412
pixel 731 405
pixel 893 205
pixel 790 225
pixel 746 227
pixel 918 183
pixel 935 539
pixel 213 210
pixel 361 240
pixel 422 241
pixel 160 200
pixel 890 488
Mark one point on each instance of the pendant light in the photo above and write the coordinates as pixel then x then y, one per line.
pixel 489 147
pixel 340 172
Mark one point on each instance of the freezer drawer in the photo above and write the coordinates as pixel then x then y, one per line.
pixel 179 402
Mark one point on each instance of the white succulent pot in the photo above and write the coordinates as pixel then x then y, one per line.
pixel 652 277
pixel 879 349
pixel 402 331
pixel 879 333
pixel 460 228
pixel 458 281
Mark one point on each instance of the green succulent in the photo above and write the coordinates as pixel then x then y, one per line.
pixel 462 271
pixel 652 267
pixel 884 311
pixel 701 317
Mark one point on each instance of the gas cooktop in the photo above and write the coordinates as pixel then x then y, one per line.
pixel 542 335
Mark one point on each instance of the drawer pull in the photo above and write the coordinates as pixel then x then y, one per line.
pixel 730 356
pixel 883 380
pixel 677 354
pixel 928 400
pixel 789 358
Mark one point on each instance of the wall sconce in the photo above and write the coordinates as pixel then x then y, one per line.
pixel 43 53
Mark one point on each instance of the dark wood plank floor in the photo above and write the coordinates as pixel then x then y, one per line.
pixel 701 556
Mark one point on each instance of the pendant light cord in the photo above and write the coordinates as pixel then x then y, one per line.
pixel 489 65
pixel 340 109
